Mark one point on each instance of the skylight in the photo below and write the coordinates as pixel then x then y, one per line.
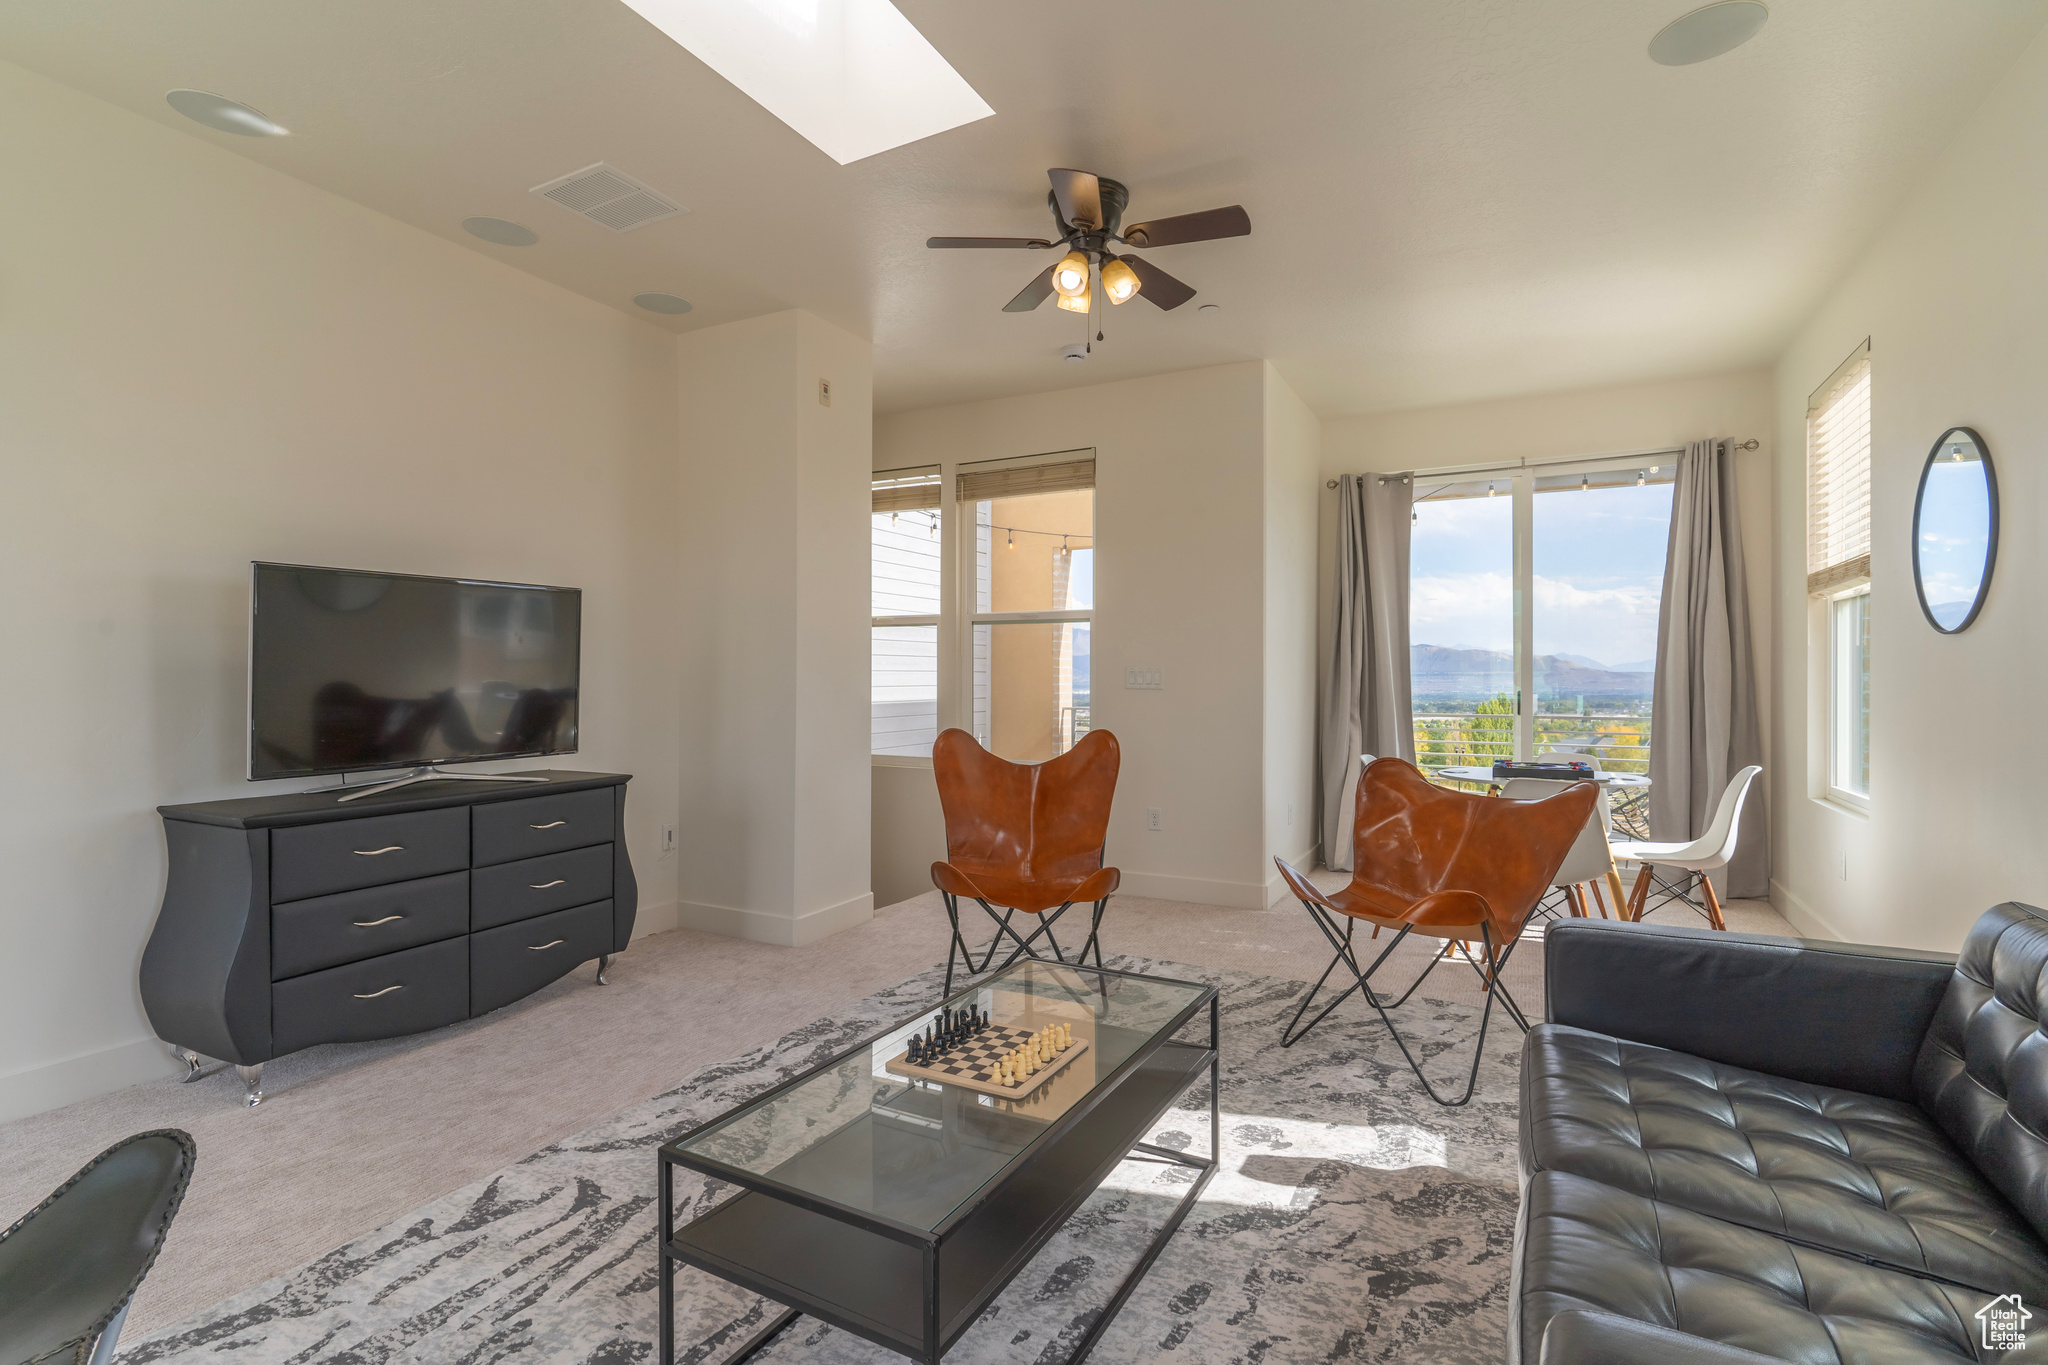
pixel 853 76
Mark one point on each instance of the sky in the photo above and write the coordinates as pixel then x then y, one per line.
pixel 1955 519
pixel 1599 571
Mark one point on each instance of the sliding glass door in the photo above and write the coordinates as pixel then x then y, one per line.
pixel 1533 602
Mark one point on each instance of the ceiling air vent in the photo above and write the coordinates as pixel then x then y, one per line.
pixel 609 196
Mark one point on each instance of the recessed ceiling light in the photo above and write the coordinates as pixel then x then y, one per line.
pixel 503 231
pixel 1210 308
pixel 662 303
pixel 854 77
pixel 1708 32
pixel 229 116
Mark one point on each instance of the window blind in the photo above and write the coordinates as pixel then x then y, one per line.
pixel 906 490
pixel 1838 477
pixel 1022 480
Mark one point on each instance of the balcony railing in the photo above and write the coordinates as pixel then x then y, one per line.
pixel 1477 739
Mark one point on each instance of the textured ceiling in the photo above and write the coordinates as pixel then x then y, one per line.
pixel 1450 201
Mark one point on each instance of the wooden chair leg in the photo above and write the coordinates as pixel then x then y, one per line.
pixel 1614 890
pixel 1639 894
pixel 1598 900
pixel 1577 896
pixel 1713 903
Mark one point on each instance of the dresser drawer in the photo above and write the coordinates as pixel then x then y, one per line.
pixel 313 860
pixel 506 830
pixel 534 886
pixel 518 959
pixel 381 997
pixel 351 925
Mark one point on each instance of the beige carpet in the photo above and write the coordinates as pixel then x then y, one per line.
pixel 354 1136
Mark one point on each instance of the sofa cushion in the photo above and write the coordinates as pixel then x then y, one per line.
pixel 1983 1070
pixel 1868 1177
pixel 1586 1245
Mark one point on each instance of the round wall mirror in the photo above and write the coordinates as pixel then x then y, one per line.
pixel 1955 530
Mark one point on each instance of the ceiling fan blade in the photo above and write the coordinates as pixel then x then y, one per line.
pixel 1079 195
pixel 1156 285
pixel 940 243
pixel 1205 226
pixel 1033 294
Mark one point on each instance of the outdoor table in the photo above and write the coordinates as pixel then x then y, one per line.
pixel 1617 783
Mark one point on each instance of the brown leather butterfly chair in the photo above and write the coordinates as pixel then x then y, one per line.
pixel 1445 865
pixel 1024 837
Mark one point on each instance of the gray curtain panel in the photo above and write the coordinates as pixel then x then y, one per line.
pixel 1366 706
pixel 1705 715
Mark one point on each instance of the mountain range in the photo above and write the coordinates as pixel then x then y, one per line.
pixel 1443 671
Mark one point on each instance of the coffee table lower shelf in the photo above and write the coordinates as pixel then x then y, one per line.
pixel 917 1292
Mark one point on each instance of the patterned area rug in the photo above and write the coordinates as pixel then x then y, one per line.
pixel 1352 1220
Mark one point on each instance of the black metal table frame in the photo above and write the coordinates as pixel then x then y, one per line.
pixel 931 1241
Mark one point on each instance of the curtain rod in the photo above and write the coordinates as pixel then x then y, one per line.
pixel 1618 457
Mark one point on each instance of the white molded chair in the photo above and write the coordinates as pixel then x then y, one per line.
pixel 1588 862
pixel 1708 853
pixel 1591 760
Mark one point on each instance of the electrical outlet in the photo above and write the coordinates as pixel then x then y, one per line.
pixel 668 840
pixel 1145 679
pixel 824 393
pixel 1155 819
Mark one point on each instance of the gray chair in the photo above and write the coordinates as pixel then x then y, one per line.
pixel 70 1267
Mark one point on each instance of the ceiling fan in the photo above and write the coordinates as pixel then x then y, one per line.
pixel 1088 211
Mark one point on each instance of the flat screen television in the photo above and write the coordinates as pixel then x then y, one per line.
pixel 351 671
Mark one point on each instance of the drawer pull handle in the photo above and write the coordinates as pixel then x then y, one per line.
pixel 386 991
pixel 373 923
pixel 552 824
pixel 537 947
pixel 373 852
pixel 542 886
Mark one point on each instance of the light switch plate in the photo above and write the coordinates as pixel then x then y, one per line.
pixel 1155 819
pixel 825 393
pixel 1145 679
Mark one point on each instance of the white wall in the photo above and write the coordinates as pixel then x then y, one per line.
pixel 203 362
pixel 1952 295
pixel 1293 461
pixel 1661 415
pixel 773 593
pixel 1179 585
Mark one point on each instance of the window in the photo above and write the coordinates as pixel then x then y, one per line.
pixel 1533 601
pixel 905 606
pixel 1849 695
pixel 1031 554
pixel 1838 567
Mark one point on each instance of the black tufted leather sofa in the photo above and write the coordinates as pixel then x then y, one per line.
pixel 1738 1149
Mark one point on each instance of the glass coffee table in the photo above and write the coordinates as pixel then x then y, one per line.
pixel 897 1208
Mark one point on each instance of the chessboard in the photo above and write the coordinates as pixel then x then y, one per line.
pixel 971 1065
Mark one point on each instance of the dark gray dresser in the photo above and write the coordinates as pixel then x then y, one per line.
pixel 292 920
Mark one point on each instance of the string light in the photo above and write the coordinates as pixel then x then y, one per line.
pixel 1011 538
pixel 1585 482
pixel 1639 478
pixel 1489 490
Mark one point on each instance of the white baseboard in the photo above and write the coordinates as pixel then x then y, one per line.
pixel 655 919
pixel 71 1079
pixel 1200 890
pixel 1802 916
pixel 1276 886
pixel 765 926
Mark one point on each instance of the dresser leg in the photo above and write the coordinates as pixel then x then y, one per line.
pixel 603 965
pixel 252 1077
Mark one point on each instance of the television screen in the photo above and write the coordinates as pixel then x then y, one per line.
pixel 351 670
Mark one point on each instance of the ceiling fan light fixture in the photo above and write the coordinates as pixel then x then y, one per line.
pixel 1070 276
pixel 1120 282
pixel 1077 303
pixel 1708 32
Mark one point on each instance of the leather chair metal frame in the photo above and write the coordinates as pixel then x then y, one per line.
pixel 1024 838
pixel 1445 864
pixel 69 1267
